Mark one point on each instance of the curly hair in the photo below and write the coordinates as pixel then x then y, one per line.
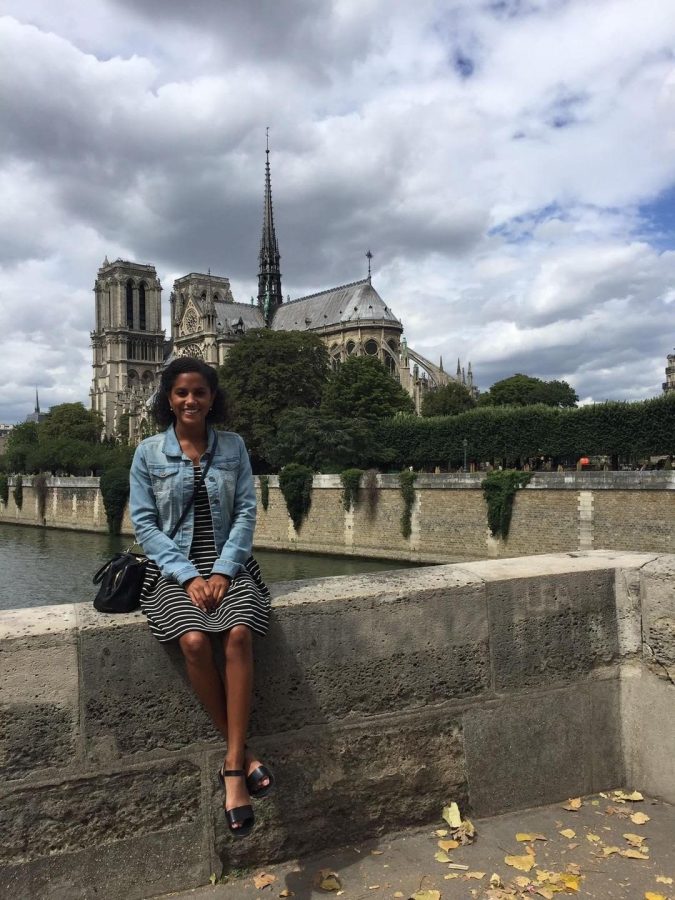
pixel 161 409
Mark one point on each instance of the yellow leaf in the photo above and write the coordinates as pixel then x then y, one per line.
pixel 496 881
pixel 451 815
pixel 452 875
pixel 633 797
pixel 573 804
pixel 635 840
pixel 568 833
pixel 522 863
pixel 595 803
pixel 650 895
pixel 663 879
pixel 476 875
pixel 441 857
pixel 610 851
pixel 262 880
pixel 287 893
pixel 448 845
pixel 593 838
pixel 545 892
pixel 633 854
pixel 639 818
pixel 526 838
pixel 426 895
pixel 522 881
pixel 441 832
pixel 571 882
pixel 327 880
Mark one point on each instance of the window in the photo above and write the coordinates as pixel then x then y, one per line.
pixel 141 306
pixel 371 347
pixel 130 303
pixel 351 346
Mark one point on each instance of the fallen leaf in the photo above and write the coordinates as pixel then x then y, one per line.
pixel 572 881
pixel 398 894
pixel 545 892
pixel 426 895
pixel 451 815
pixel 593 838
pixel 526 838
pixel 452 875
pixel 639 818
pixel 573 868
pixel 610 851
pixel 376 852
pixel 476 875
pixel 568 833
pixel 496 881
pixel 572 846
pixel 573 805
pixel 650 895
pixel 213 878
pixel 633 854
pixel 466 833
pixel 617 811
pixel 448 845
pixel 441 832
pixel 522 881
pixel 287 893
pixel 263 880
pixel 635 840
pixel 522 863
pixel 441 857
pixel 663 879
pixel 595 803
pixel 634 796
pixel 327 880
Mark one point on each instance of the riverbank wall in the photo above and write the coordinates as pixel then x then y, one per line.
pixel 556 512
pixel 500 684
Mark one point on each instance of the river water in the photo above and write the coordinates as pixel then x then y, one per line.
pixel 42 566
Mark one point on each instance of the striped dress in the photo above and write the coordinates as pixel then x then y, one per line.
pixel 170 611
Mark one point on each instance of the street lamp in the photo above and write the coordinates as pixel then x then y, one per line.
pixel 465 444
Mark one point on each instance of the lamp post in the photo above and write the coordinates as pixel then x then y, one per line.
pixel 465 444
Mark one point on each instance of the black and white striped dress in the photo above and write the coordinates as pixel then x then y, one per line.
pixel 170 611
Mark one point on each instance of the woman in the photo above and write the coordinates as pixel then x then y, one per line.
pixel 203 581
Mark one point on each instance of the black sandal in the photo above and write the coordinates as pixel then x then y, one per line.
pixel 240 820
pixel 254 780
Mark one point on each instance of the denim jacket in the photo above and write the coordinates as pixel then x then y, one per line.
pixel 161 486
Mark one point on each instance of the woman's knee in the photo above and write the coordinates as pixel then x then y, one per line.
pixel 196 646
pixel 239 640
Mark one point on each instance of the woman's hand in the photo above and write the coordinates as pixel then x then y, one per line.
pixel 199 591
pixel 220 585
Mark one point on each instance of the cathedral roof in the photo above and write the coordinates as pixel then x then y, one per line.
pixel 228 315
pixel 348 303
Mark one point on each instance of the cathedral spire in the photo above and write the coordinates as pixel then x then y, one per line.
pixel 270 297
pixel 37 403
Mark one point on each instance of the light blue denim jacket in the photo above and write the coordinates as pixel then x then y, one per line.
pixel 161 486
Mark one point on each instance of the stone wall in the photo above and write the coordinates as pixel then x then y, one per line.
pixel 378 699
pixel 555 513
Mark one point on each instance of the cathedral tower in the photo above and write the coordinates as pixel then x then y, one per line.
pixel 127 342
pixel 269 275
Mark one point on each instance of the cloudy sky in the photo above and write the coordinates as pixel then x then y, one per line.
pixel 511 164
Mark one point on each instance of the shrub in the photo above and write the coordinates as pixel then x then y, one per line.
pixel 499 489
pixel 4 488
pixel 264 491
pixel 295 482
pixel 115 490
pixel 351 479
pixel 40 488
pixel 407 479
pixel 18 491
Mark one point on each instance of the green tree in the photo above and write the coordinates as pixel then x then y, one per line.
pixel 21 442
pixel 322 442
pixel 363 389
pixel 525 390
pixel 448 400
pixel 73 421
pixel 267 373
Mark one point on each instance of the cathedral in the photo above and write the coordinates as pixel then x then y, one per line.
pixel 129 345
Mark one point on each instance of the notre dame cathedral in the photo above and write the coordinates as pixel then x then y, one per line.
pixel 129 345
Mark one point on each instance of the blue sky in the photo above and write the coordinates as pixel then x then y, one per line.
pixel 510 164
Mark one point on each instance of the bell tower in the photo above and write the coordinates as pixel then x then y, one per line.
pixel 127 341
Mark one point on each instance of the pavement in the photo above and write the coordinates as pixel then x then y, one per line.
pixel 587 861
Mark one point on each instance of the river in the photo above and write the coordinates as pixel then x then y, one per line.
pixel 42 566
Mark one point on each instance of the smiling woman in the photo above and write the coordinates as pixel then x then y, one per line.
pixel 192 504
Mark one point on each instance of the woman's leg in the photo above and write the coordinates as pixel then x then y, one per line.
pixel 238 648
pixel 205 677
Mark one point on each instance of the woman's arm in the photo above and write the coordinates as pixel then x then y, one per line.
pixel 145 518
pixel 239 543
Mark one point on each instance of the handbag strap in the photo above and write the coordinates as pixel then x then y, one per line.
pixel 174 530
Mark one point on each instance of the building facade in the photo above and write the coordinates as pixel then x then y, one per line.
pixel 669 383
pixel 206 321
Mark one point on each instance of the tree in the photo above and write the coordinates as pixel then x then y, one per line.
pixel 323 442
pixel 448 400
pixel 265 374
pixel 73 421
pixel 363 389
pixel 524 390
pixel 21 442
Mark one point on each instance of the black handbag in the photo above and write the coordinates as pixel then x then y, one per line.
pixel 121 578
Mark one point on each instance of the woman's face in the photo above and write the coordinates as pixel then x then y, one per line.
pixel 191 399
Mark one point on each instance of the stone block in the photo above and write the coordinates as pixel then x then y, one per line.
pixel 38 690
pixel 397 642
pixel 134 690
pixel 658 610
pixel 532 749
pixel 551 627
pixel 339 785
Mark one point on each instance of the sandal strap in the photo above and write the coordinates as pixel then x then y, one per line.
pixel 230 773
